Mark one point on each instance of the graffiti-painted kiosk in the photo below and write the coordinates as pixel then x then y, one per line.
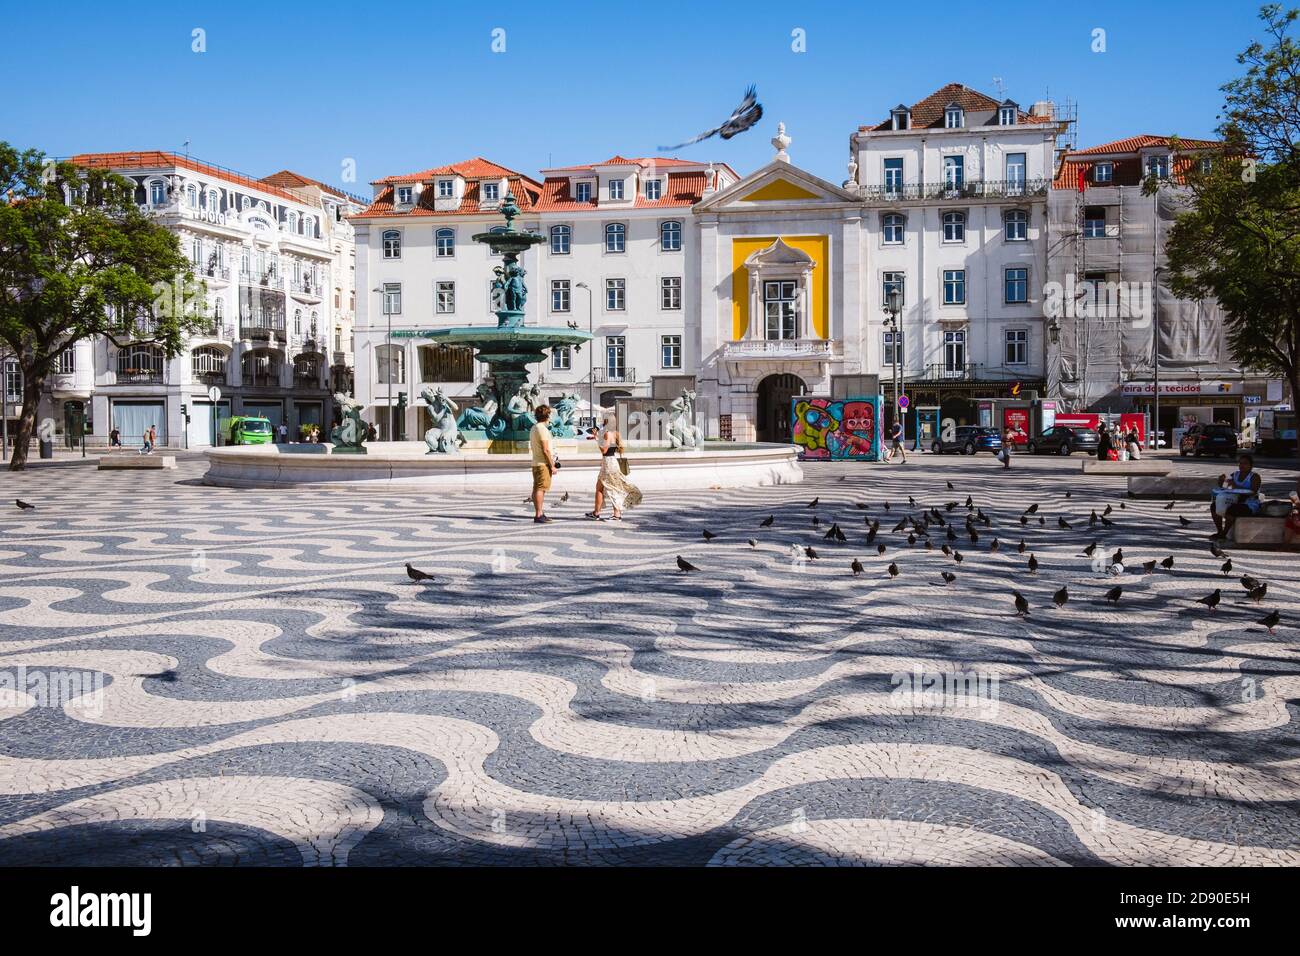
pixel 836 429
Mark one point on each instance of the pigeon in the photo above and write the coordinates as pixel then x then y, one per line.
pixel 1226 567
pixel 1041 521
pixel 708 535
pixel 947 551
pixel 810 553
pixel 684 565
pixel 1117 557
pixel 23 506
pixel 1087 552
pixel 1217 551
pixel 1183 521
pixel 840 536
pixel 871 535
pixel 1069 494
pixel 767 522
pixel 415 574
pixel 893 570
pixel 572 324
pixel 952 535
pixel 1063 524
pixel 857 567
pixel 974 536
pixel 1107 523
pixel 1033 564
pixel 564 497
pixel 956 556
pixel 753 543
pixel 886 505
pixel 1020 548
pixel 1167 563
pixel 816 521
pixel 1113 594
pixel 880 549
pixel 1249 583
pixel 1032 509
pixel 1092 520
pixel 1211 600
pixel 1148 566
pixel 1022 605
pixel 929 545
pixel 860 505
pixel 900 526
pixel 743 117
pixel 1060 597
pixel 813 503
pixel 993 548
pixel 1257 594
pixel 950 488
pixel 911 539
pixel 1170 506
pixel 911 501
pixel 970 502
pixel 1270 620
pixel 948 577
pixel 830 534
pixel 1107 511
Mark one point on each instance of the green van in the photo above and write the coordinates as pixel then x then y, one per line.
pixel 249 430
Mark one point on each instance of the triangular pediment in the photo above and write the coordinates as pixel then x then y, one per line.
pixel 778 182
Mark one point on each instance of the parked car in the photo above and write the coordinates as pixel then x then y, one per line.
pixel 246 430
pixel 1200 440
pixel 968 439
pixel 1064 440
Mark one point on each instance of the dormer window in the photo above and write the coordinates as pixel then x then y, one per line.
pixel 954 117
pixel 1007 116
pixel 446 189
pixel 582 192
pixel 404 195
pixel 1103 172
pixel 616 189
pixel 654 189
pixel 1205 165
pixel 900 117
pixel 491 191
pixel 1158 166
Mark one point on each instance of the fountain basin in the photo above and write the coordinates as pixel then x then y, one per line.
pixel 406 466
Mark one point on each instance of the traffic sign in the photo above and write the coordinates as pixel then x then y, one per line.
pixel 903 402
pixel 214 394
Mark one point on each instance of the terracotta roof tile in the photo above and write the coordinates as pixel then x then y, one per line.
pixel 288 179
pixel 1135 143
pixel 154 159
pixel 683 189
pixel 928 112
pixel 525 191
pixel 476 168
pixel 1126 163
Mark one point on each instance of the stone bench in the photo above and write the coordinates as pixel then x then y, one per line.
pixel 1263 531
pixel 132 462
pixel 1150 469
pixel 1186 487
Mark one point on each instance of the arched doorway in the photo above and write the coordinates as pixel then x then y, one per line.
pixel 772 418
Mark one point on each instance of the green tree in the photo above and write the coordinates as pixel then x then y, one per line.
pixel 1238 240
pixel 77 260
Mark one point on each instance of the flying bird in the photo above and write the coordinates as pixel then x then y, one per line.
pixel 744 116
pixel 684 565
pixel 1270 620
pixel 23 506
pixel 1211 600
pixel 415 574
pixel 1060 597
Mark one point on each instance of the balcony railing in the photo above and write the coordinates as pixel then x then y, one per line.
pixel 267 281
pixel 216 272
pixel 969 189
pixel 967 371
pixel 140 376
pixel 305 286
pixel 604 375
pixel 255 328
pixel 775 349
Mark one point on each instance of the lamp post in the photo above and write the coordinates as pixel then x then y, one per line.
pixel 388 358
pixel 1155 352
pixel 591 356
pixel 894 309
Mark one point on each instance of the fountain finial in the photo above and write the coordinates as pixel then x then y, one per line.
pixel 510 210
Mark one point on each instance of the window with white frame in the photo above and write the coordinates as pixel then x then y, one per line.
pixel 446 188
pixel 582 192
pixel 891 281
pixel 616 189
pixel 392 298
pixel 954 172
pixel 894 176
pixel 1094 222
pixel 615 295
pixel 670 236
pixel 670 292
pixel 893 225
pixel 444 243
pixel 562 358
pixel 654 189
pixel 1016 169
pixel 954 227
pixel 157 192
pixel 561 300
pixel 392 244
pixel 1015 285
pixel 404 194
pixel 954 350
pixel 954 117
pixel 1017 347
pixel 892 349
pixel 491 191
pixel 561 240
pixel 616 357
pixel 1158 166
pixel 781 309
pixel 1007 116
pixel 1103 172
pixel 954 286
pixel 13 379
pixel 1015 225
pixel 68 361
pixel 208 361
pixel 615 237
pixel 445 297
pixel 297 321
pixel 1205 165
pixel 192 195
pixel 670 351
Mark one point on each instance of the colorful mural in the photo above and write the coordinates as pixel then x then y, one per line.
pixel 836 429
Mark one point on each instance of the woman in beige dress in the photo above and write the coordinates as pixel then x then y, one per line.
pixel 611 483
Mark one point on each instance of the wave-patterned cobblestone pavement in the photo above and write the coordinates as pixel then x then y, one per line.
pixel 205 676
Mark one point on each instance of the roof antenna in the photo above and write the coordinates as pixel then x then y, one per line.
pixel 186 146
pixel 1000 87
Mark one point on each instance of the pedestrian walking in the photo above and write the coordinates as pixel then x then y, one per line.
pixel 611 481
pixel 150 436
pixel 545 463
pixel 896 442
pixel 1004 454
pixel 284 433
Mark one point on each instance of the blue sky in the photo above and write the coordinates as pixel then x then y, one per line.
pixel 401 86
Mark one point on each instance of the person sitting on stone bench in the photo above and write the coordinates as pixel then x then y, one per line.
pixel 1243 485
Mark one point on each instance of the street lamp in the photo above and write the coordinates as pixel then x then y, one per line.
pixel 1155 352
pixel 591 356
pixel 894 309
pixel 388 357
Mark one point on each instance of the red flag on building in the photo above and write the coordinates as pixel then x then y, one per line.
pixel 1083 179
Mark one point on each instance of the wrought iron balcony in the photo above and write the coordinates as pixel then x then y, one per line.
pixel 968 189
pixel 604 375
pixel 261 328
pixel 779 349
pixel 966 372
